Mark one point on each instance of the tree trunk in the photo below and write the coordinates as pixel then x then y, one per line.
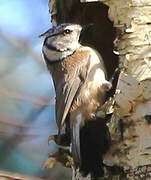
pixel 129 37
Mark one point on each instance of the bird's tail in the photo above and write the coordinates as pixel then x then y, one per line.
pixel 89 143
pixel 94 141
pixel 75 141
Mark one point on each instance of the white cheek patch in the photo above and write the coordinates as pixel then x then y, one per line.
pixel 51 55
pixel 49 40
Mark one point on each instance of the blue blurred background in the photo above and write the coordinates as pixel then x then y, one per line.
pixel 26 91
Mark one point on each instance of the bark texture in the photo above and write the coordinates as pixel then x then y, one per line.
pixel 132 101
pixel 130 127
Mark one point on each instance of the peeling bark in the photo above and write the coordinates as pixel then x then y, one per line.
pixel 132 103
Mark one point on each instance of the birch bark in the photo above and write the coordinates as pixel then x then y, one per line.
pixel 130 126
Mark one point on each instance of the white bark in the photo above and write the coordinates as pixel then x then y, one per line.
pixel 132 18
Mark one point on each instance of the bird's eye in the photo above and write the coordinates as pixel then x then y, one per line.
pixel 66 31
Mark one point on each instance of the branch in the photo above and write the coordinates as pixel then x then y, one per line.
pixel 15 176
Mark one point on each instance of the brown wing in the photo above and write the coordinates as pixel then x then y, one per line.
pixel 68 76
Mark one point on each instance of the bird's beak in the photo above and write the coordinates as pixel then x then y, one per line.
pixel 48 32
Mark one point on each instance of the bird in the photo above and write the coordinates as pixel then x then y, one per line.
pixel 80 82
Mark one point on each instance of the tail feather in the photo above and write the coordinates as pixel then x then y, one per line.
pixel 75 140
pixel 95 140
pixel 89 144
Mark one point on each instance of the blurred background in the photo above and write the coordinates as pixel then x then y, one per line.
pixel 27 115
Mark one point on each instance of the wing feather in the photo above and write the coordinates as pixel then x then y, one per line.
pixel 69 83
pixel 64 100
